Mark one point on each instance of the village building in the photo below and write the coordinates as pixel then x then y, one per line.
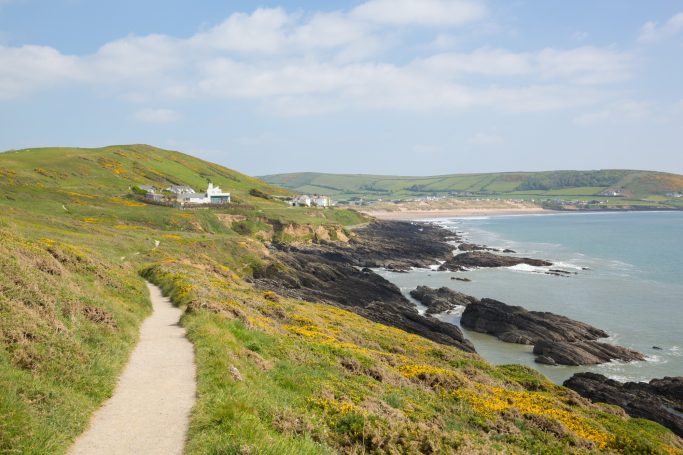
pixel 301 201
pixel 213 195
pixel 180 190
pixel 320 201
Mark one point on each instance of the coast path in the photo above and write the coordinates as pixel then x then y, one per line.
pixel 150 409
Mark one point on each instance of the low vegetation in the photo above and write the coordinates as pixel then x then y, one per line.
pixel 275 375
pixel 634 187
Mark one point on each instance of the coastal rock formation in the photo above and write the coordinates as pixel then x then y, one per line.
pixel 339 275
pixel 660 400
pixel 515 324
pixel 582 353
pixel 442 299
pixel 474 247
pixel 475 259
pixel 395 245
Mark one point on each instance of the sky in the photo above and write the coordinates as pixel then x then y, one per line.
pixel 407 87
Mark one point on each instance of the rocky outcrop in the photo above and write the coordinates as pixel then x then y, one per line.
pixel 557 340
pixel 474 247
pixel 475 259
pixel 331 274
pixel 582 353
pixel 515 324
pixel 660 400
pixel 397 245
pixel 442 299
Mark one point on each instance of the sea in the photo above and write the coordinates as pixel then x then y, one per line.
pixel 626 278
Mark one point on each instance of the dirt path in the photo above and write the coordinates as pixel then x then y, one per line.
pixel 149 411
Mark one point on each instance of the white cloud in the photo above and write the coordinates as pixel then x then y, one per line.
pixel 585 65
pixel 621 111
pixel 489 62
pixel 28 68
pixel 299 64
pixel 651 31
pixel 156 116
pixel 485 139
pixel 421 12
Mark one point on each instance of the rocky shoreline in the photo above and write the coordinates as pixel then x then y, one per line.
pixel 660 400
pixel 340 274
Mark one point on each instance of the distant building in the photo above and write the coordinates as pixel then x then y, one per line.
pixel 674 194
pixel 148 188
pixel 301 201
pixel 179 190
pixel 213 195
pixel 612 193
pixel 321 201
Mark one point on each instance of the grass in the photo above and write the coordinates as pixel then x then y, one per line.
pixel 310 378
pixel 316 379
pixel 524 185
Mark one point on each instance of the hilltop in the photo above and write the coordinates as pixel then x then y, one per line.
pixel 632 187
pixel 314 377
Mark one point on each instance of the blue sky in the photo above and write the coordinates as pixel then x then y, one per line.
pixel 412 87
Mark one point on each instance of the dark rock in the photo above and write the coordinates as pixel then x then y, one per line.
pixel 515 324
pixel 660 400
pixel 474 247
pixel 584 352
pixel 467 280
pixel 398 268
pixel 442 299
pixel 508 250
pixel 486 259
pixel 545 360
pixel 656 348
pixel 330 274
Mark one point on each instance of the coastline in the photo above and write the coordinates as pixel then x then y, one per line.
pixel 404 215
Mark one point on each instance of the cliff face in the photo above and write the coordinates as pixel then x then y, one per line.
pixel 660 400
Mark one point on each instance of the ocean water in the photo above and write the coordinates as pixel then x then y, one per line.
pixel 628 281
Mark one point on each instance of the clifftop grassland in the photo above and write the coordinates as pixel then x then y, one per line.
pixel 313 378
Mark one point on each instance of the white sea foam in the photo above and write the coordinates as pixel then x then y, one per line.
pixel 528 268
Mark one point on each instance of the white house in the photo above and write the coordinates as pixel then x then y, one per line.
pixel 302 201
pixel 180 190
pixel 213 195
pixel 320 201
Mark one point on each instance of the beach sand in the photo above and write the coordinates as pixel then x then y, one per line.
pixel 451 213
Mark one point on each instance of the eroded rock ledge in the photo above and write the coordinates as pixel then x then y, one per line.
pixel 556 339
pixel 475 259
pixel 338 274
pixel 515 324
pixel 660 400
pixel 442 299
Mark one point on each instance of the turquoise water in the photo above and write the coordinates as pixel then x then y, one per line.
pixel 628 281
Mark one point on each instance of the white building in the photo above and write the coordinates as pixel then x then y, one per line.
pixel 301 201
pixel 320 201
pixel 213 195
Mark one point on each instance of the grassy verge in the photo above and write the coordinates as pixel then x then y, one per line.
pixel 67 325
pixel 285 376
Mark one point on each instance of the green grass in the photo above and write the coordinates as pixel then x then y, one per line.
pixel 315 379
pixel 527 185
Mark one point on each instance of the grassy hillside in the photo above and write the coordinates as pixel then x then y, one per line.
pixel 315 379
pixel 522 185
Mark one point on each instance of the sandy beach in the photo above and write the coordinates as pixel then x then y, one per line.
pixel 447 213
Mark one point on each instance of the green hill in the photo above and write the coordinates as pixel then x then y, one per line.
pixel 521 185
pixel 317 379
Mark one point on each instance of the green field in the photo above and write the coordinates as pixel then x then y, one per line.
pixel 74 248
pixel 578 185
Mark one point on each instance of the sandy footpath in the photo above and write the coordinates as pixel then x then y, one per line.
pixel 447 213
pixel 149 411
